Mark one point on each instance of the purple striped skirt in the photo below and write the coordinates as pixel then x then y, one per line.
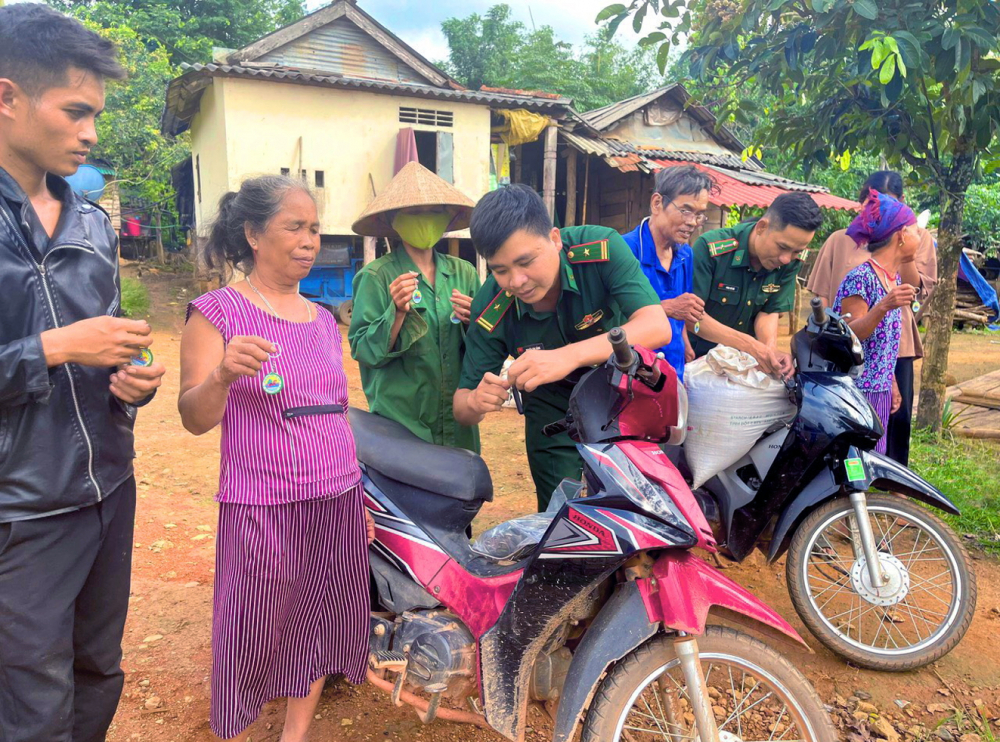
pixel 291 603
pixel 882 402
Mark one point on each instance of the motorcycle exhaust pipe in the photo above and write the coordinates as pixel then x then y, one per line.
pixel 686 647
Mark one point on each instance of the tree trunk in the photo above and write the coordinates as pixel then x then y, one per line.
pixel 941 306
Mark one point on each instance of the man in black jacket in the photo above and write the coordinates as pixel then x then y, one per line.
pixel 68 393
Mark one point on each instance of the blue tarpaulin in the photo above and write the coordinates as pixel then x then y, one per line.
pixel 987 294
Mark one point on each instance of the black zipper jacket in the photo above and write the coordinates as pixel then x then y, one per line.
pixel 65 441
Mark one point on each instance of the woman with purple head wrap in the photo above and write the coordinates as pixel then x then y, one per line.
pixel 873 294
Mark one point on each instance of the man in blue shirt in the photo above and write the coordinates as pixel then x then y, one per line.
pixel 677 208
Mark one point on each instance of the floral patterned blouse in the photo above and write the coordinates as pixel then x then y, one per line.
pixel 882 346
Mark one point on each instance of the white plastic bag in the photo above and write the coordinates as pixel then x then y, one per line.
pixel 517 538
pixel 509 402
pixel 731 404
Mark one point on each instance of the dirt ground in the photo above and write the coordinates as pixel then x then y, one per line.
pixel 167 650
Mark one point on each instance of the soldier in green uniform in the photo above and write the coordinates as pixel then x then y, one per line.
pixel 746 277
pixel 412 306
pixel 552 296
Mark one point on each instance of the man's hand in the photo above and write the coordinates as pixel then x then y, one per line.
pixel 401 290
pixel 538 367
pixel 772 361
pixel 489 396
pixel 98 341
pixel 687 307
pixel 897 397
pixel 688 350
pixel 369 526
pixel 132 384
pixel 244 357
pixel 900 296
pixel 462 305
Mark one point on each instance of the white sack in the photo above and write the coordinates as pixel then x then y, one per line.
pixel 731 404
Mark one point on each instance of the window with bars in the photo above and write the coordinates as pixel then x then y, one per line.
pixel 426 116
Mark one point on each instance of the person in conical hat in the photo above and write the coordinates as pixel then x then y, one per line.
pixel 412 307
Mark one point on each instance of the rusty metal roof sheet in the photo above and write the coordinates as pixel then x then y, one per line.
pixel 611 149
pixel 743 188
pixel 184 93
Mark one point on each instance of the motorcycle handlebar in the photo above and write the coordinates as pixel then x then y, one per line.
pixel 819 314
pixel 624 355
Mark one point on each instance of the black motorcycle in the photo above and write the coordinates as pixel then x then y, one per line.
pixel 878 578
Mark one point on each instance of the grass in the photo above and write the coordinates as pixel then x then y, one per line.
pixel 966 472
pixel 135 298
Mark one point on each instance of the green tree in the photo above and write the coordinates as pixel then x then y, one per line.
pixel 188 29
pixel 497 51
pixel 915 80
pixel 483 50
pixel 129 130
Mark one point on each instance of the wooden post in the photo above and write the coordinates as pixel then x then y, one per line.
pixel 518 154
pixel 570 219
pixel 586 190
pixel 453 246
pixel 369 250
pixel 793 316
pixel 160 256
pixel 549 169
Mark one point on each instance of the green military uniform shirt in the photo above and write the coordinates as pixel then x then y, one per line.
pixel 414 381
pixel 734 293
pixel 601 286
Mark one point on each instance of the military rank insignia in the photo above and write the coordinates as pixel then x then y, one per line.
pixel 495 311
pixel 588 252
pixel 590 320
pixel 722 247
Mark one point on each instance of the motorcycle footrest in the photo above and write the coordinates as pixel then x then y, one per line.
pixel 387 660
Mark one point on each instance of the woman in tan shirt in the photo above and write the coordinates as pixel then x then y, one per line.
pixel 840 255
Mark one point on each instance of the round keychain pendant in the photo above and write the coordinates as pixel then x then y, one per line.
pixel 455 320
pixel 145 358
pixel 417 297
pixel 273 383
pixel 915 306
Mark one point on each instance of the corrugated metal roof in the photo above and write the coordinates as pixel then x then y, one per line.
pixel 607 116
pixel 742 188
pixel 611 149
pixel 184 92
pixel 340 47
pixel 602 118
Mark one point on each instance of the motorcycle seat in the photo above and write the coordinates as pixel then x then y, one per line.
pixel 390 449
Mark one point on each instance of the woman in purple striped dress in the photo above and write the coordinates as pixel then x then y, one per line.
pixel 291 580
pixel 873 294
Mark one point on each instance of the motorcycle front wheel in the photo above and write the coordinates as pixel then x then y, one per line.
pixel 918 615
pixel 756 695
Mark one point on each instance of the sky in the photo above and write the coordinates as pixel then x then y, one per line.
pixel 418 22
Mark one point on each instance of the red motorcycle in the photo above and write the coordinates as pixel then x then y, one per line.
pixel 604 620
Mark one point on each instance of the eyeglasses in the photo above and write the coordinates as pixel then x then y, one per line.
pixel 694 217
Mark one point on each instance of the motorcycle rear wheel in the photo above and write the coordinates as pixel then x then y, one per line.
pixel 756 694
pixel 921 613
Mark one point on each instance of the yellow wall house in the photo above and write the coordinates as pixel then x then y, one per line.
pixel 325 99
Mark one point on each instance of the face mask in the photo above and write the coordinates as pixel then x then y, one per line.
pixel 422 231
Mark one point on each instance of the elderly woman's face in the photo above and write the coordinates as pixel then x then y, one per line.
pixel 288 247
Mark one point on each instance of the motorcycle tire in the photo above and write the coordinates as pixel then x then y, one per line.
pixel 615 714
pixel 891 516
